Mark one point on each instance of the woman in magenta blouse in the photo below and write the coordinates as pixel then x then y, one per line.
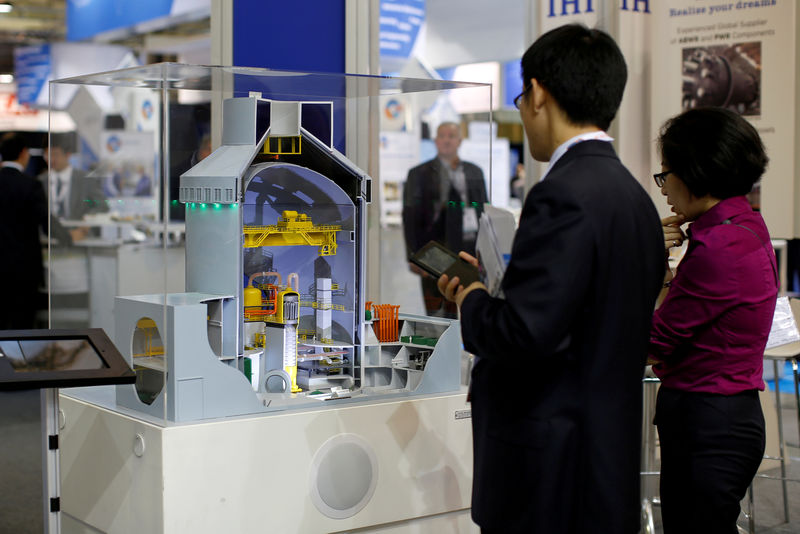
pixel 709 333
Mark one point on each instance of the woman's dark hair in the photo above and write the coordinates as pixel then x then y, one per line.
pixel 714 151
pixel 582 69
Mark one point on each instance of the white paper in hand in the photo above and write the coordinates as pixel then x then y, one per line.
pixel 495 237
pixel 784 328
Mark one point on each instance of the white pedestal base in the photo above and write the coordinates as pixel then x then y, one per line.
pixel 255 474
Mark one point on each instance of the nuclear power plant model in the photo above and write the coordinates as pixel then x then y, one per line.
pixel 274 316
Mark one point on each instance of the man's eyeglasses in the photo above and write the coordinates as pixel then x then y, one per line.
pixel 518 98
pixel 660 178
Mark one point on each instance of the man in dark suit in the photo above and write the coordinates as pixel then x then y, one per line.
pixel 23 212
pixel 442 200
pixel 557 388
pixel 73 194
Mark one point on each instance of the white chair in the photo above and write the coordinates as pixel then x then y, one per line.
pixel 790 352
pixel 780 354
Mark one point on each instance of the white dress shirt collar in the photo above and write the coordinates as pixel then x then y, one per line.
pixel 569 143
pixel 13 165
pixel 65 175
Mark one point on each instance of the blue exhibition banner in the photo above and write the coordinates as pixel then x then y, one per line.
pixel 512 82
pixel 31 71
pixel 87 18
pixel 400 21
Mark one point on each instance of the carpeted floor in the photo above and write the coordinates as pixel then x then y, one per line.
pixel 21 509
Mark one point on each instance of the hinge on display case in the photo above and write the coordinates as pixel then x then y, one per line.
pixel 52 442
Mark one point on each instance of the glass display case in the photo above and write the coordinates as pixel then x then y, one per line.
pixel 224 233
pixel 230 243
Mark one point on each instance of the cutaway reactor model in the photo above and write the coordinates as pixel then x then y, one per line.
pixel 274 315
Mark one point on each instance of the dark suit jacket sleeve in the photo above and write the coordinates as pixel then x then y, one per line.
pixel 418 209
pixel 38 203
pixel 548 275
pixel 476 184
pixel 95 194
pixel 86 196
pixel 43 216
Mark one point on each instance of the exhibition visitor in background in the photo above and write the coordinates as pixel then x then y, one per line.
pixel 442 201
pixel 73 193
pixel 23 215
pixel 561 454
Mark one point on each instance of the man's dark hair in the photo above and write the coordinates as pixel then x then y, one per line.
pixel 713 151
pixel 12 146
pixel 64 140
pixel 582 69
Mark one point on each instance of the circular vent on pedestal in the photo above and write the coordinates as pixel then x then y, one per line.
pixel 343 476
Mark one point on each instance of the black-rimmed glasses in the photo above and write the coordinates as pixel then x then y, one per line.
pixel 518 98
pixel 660 178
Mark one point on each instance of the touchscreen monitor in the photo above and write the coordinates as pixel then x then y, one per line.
pixel 31 355
pixel 32 359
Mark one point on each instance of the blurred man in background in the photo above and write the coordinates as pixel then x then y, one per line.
pixel 23 213
pixel 442 201
pixel 73 194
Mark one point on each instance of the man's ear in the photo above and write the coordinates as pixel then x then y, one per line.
pixel 538 96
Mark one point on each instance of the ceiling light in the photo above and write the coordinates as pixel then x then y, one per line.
pixel 5 7
pixel 6 78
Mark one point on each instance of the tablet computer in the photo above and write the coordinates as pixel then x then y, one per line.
pixel 436 259
pixel 34 359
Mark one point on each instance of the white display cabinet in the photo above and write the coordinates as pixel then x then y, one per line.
pixel 234 282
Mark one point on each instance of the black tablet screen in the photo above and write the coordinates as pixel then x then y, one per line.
pixel 33 355
pixel 437 259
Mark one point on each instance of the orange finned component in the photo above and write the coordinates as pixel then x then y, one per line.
pixel 388 322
